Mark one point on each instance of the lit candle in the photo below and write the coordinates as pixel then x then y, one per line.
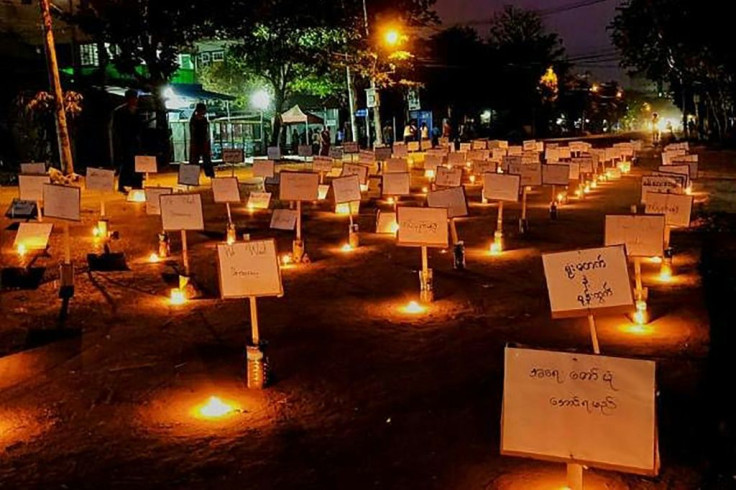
pixel 177 297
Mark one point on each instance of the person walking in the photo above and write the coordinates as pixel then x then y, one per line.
pixel 325 141
pixel 387 135
pixel 200 146
pixel 126 126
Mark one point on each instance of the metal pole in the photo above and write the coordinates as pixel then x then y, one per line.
pixel 62 131
pixel 351 103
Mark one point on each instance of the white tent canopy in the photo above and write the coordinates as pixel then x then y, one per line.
pixel 296 115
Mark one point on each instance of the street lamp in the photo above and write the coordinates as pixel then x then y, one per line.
pixel 261 99
pixel 392 37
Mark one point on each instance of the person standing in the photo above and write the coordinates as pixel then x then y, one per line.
pixel 656 130
pixel 325 141
pixel 126 126
pixel 388 135
pixel 435 136
pixel 424 131
pixel 200 146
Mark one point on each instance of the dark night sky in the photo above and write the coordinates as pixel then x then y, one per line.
pixel 582 29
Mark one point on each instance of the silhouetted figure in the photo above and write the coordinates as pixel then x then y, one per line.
pixel 200 146
pixel 126 126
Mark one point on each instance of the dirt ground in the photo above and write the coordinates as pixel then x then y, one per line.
pixel 364 396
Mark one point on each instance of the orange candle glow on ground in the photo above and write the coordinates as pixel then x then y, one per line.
pixel 21 250
pixel 472 179
pixel 177 297
pixel 346 248
pixel 665 273
pixel 215 408
pixel 413 308
pixel 153 258
pixel 429 174
pixel 137 195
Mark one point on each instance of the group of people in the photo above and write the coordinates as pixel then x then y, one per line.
pixel 319 138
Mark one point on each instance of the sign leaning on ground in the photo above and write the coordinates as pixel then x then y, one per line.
pixel 283 219
pixel 226 190
pixel 583 282
pixel 99 179
pixel 181 212
pixel 153 201
pixel 501 187
pixel 263 168
pixel 249 269
pixel 62 202
pixel 189 174
pixel 396 184
pixel 355 169
pixel 675 208
pixel 577 408
pixel 448 177
pixel 642 235
pixel 33 236
pixel 30 187
pixel 259 200
pixel 346 189
pixel 422 227
pixel 662 184
pixel 452 199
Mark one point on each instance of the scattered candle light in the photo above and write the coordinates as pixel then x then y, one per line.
pixel 391 200
pixel 496 248
pixel 640 317
pixel 586 189
pixel 137 195
pixel 346 248
pixel 689 190
pixel 472 179
pixel 578 193
pixel 153 258
pixel 665 272
pixel 425 190
pixel 21 250
pixel 414 308
pixel 655 260
pixel 363 187
pixel 177 297
pixel 95 232
pixel 343 209
pixel 215 408
pixel 429 174
pixel 394 227
pixel 636 329
pixel 286 259
pixel 560 196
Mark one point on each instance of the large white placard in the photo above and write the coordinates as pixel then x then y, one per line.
pixel 420 227
pixel 452 199
pixel 145 164
pixel 181 212
pixel 531 173
pixel 263 168
pixel 322 164
pixel 674 184
pixel 299 186
pixel 396 184
pixel 226 189
pixel 355 169
pixel 448 177
pixel 677 169
pixel 501 187
pixel 676 208
pixel 456 159
pixel 100 179
pixel 346 189
pixel 283 219
pixel 386 223
pixel 33 236
pixel 259 200
pixel 431 162
pixel 485 166
pixel 578 408
pixel 189 174
pixel 62 202
pixel 395 166
pixel 249 269
pixel 30 187
pixel 574 171
pixel 153 199
pixel 588 281
pixel 556 174
pixel 642 235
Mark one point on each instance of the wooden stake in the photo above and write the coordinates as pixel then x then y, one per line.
pixel 425 262
pixel 298 220
pixel 593 334
pixel 102 206
pixel 453 231
pixel 67 244
pixel 229 215
pixel 499 221
pixel 637 276
pixel 254 321
pixel 39 213
pixel 574 476
pixel 554 193
pixel 185 252
pixel 667 231
pixel 523 204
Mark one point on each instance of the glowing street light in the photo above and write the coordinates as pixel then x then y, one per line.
pixel 260 99
pixel 392 37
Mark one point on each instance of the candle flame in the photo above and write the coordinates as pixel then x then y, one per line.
pixel 153 258
pixel 177 297
pixel 346 248
pixel 215 408
pixel 414 308
pixel 22 250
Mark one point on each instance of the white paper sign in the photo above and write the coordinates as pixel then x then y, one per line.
pixel 249 269
pixel 34 168
pixel 386 223
pixel 232 155
pixel 456 159
pixel 412 146
pixel 588 281
pixel 662 184
pixel 33 236
pixel 283 219
pixel 62 202
pixel 189 174
pixel 181 212
pixel 145 164
pixel 585 163
pixel 400 150
pixel 675 208
pixel 422 227
pixel 153 199
pixel 501 187
pixel 395 166
pixel 480 168
pixel 574 171
pixel 556 175
pixel 396 184
pixel 452 199
pixel 448 177
pixel 225 189
pixel 263 168
pixel 31 187
pixel 259 200
pixel 642 235
pixel 479 144
pixel 465 147
pixel 355 169
pixel 298 186
pixel 531 174
pixel 529 145
pixel 431 162
pixel 593 410
pixel 346 189
pixel 677 169
pixel 692 163
pixel 273 153
pixel 100 179
pixel 322 164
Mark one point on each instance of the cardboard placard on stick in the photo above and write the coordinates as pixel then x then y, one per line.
pixel 395 166
pixel 181 212
pixel 676 208
pixel 501 187
pixel 249 269
pixel 30 187
pixel 422 227
pixel 396 184
pixel 145 164
pixel 153 199
pixel 662 184
pixel 556 174
pixel 574 171
pixel 346 189
pixel 576 408
pixel 283 219
pixel 100 179
pixel 33 236
pixel 189 174
pixel 431 162
pixel 264 168
pixel 226 190
pixel 677 169
pixel 33 168
pixel 448 177
pixel 259 200
pixel 273 153
pixel 322 164
pixel 642 235
pixel 583 282
pixel 381 154
pixel 386 223
pixel 299 186
pixel 233 156
pixel 62 202
pixel 531 173
pixel 452 199
pixel 355 169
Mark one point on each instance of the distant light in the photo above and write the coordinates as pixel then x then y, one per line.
pixel 21 250
pixel 429 174
pixel 472 179
pixel 285 259
pixel 414 308
pixel 392 37
pixel 260 99
pixel 153 258
pixel 496 248
pixel 177 297
pixel 215 408
pixel 346 248
pixel 665 272
pixel 137 195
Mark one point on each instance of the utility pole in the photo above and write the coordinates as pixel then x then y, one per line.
pixel 351 101
pixel 62 131
pixel 377 108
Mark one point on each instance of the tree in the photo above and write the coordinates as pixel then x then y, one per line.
pixel 145 39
